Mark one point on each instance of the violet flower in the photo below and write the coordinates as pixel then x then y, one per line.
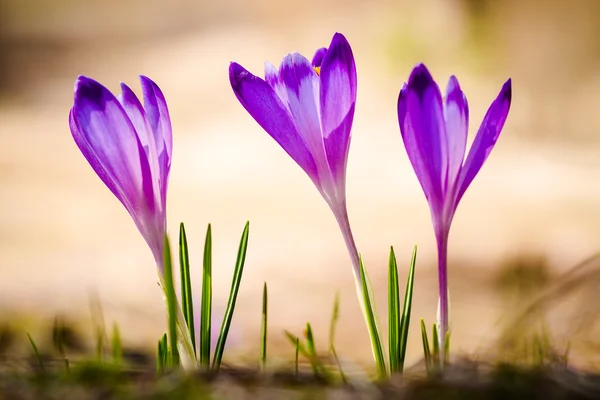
pixel 434 132
pixel 308 109
pixel 129 147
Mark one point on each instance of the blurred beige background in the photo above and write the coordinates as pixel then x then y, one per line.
pixel 64 236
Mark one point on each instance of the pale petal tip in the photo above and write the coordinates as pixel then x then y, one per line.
pixel 452 84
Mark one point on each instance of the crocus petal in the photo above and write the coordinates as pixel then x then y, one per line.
pixel 102 129
pixel 423 130
pixel 92 159
pixel 456 114
pixel 263 104
pixel 302 86
pixel 137 116
pixel 486 138
pixel 158 116
pixel 337 101
pixel 318 57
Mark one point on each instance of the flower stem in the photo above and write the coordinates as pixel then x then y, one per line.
pixel 363 291
pixel 341 215
pixel 442 242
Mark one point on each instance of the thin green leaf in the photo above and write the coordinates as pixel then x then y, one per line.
pixel 206 310
pixel 36 352
pixel 426 351
pixel 372 322
pixel 235 286
pixel 263 330
pixel 436 345
pixel 98 324
pixel 302 349
pixel 162 355
pixel 447 348
pixel 117 347
pixel 312 349
pixel 298 344
pixel 406 310
pixel 310 341
pixel 171 305
pixel 187 303
pixel 335 315
pixel 393 314
pixel 296 357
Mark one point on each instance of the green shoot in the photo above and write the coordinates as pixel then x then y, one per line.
pixel 171 306
pixel 436 345
pixel 162 355
pixel 302 349
pixel 117 347
pixel 36 352
pixel 99 325
pixel 206 307
pixel 263 330
pixel 393 314
pixel 296 356
pixel 187 303
pixel 406 310
pixel 372 321
pixel 235 286
pixel 310 342
pixel 332 328
pixel 426 351
pixel 447 348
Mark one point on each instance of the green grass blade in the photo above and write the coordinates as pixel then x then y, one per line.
pixel 426 351
pixel 335 316
pixel 372 322
pixel 304 350
pixel 406 309
pixel 235 286
pixel 162 355
pixel 206 307
pixel 447 348
pixel 393 314
pixel 116 344
pixel 99 326
pixel 310 341
pixel 435 339
pixel 187 303
pixel 36 352
pixel 263 330
pixel 171 305
pixel 312 349
pixel 296 357
pixel 295 341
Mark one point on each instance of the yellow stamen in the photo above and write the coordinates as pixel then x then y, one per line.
pixel 318 70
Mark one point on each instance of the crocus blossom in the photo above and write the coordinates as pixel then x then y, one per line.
pixel 308 108
pixel 434 131
pixel 129 147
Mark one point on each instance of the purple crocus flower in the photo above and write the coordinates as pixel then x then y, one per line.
pixel 129 146
pixel 308 109
pixel 434 132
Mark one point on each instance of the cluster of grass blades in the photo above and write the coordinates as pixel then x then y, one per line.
pixel 181 332
pixel 398 317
